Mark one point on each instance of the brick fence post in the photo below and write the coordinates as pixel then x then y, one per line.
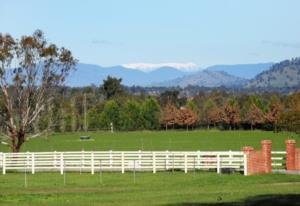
pixel 249 167
pixel 290 154
pixel 266 149
pixel 247 150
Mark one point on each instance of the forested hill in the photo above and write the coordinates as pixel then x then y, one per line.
pixel 245 71
pixel 207 78
pixel 280 75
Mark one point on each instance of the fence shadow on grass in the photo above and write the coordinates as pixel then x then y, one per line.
pixel 263 200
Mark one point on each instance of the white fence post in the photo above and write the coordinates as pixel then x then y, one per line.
pixel 245 165
pixel 218 164
pixel 32 163
pixel 92 163
pixel 82 163
pixel 185 163
pixel 198 159
pixel 140 159
pixel 167 160
pixel 4 164
pixel 230 157
pixel 122 163
pixel 110 159
pixel 27 160
pixel 54 159
pixel 61 163
pixel 153 162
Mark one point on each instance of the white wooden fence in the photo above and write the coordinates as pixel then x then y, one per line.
pixel 93 161
pixel 278 160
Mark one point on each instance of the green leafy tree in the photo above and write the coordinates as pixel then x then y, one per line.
pixel 150 113
pixel 192 106
pixel 130 116
pixel 112 87
pixel 94 117
pixel 110 114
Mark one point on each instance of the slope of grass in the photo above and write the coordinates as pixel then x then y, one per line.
pixel 161 140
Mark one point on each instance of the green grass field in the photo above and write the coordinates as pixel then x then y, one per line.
pixel 146 140
pixel 163 188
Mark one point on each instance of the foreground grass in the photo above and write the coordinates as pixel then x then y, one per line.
pixel 161 140
pixel 165 188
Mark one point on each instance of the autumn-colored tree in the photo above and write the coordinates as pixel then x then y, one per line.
pixel 168 115
pixel 293 102
pixel 186 117
pixel 290 118
pixel 231 113
pixel 208 117
pixel 254 116
pixel 215 115
pixel 274 113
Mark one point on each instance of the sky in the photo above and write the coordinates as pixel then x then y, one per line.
pixel 192 32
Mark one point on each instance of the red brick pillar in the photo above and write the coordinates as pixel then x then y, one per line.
pixel 266 149
pixel 250 169
pixel 247 150
pixel 290 154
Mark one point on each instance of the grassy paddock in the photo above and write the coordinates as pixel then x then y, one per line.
pixel 147 140
pixel 164 188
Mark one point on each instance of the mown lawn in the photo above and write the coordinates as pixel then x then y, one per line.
pixel 147 140
pixel 164 188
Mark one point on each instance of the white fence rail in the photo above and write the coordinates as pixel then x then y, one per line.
pixel 278 160
pixel 122 161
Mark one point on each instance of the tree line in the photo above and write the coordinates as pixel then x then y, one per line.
pixel 96 108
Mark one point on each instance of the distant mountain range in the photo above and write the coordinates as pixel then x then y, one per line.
pixel 265 75
pixel 281 75
pixel 88 74
pixel 206 78
pixel 246 71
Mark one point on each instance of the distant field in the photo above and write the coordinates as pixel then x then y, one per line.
pixel 161 140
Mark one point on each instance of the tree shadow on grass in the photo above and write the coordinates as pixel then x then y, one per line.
pixel 264 200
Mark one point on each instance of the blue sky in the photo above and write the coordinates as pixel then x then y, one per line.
pixel 156 31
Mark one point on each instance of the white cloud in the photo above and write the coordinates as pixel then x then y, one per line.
pixel 150 67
